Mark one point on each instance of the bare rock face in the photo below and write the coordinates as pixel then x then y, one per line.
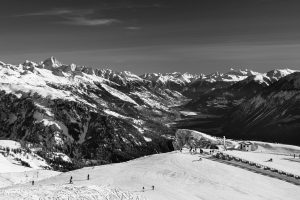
pixel 51 63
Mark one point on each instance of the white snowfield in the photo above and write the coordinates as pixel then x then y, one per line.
pixel 175 175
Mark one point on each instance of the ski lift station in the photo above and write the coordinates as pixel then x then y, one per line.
pixel 246 146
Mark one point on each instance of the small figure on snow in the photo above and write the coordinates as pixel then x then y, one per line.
pixel 270 160
pixel 32 182
pixel 152 187
pixel 88 177
pixel 71 180
pixel 143 189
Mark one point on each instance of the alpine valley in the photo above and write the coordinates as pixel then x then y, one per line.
pixel 74 116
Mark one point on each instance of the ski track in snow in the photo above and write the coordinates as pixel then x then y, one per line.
pixel 67 192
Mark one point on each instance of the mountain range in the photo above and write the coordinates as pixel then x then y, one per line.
pixel 97 116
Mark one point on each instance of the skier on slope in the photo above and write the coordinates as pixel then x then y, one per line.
pixel 71 180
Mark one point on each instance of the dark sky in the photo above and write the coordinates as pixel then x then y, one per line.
pixel 198 36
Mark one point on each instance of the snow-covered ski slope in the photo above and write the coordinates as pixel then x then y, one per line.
pixel 12 173
pixel 12 178
pixel 286 163
pixel 175 175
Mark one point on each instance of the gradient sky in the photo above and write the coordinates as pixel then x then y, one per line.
pixel 197 36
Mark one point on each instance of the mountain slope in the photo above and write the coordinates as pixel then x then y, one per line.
pixel 175 175
pixel 71 109
pixel 245 109
pixel 272 115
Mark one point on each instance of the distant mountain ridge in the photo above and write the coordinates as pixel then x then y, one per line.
pixel 161 79
pixel 99 115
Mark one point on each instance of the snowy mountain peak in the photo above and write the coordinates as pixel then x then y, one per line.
pixel 170 80
pixel 29 63
pixel 171 77
pixel 261 79
pixel 51 62
pixel 130 76
pixel 241 72
pixel 121 78
pixel 234 75
pixel 277 74
pixel 73 67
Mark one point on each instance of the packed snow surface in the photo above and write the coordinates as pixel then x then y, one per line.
pixel 67 192
pixel 11 178
pixel 175 175
pixel 281 154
